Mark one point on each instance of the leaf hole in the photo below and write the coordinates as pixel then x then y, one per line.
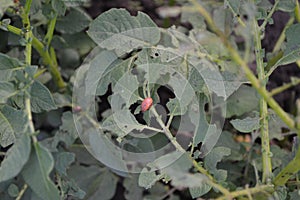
pixel 245 17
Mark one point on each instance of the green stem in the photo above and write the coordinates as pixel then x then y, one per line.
pixel 49 34
pixel 263 25
pixel 297 12
pixel 28 48
pixel 167 131
pixel 21 193
pixel 28 32
pixel 284 87
pixel 248 191
pixel 282 35
pixel 40 48
pixel 264 130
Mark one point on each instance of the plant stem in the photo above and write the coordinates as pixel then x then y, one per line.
pixel 21 193
pixel 241 22
pixel 264 130
pixel 281 38
pixel 40 48
pixel 248 191
pixel 167 131
pixel 297 12
pixel 28 48
pixel 284 87
pixel 28 32
pixel 51 27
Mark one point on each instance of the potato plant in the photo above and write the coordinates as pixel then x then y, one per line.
pixel 117 107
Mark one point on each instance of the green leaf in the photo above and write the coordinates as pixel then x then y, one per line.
pixel 212 159
pixel 178 166
pixel 148 178
pixel 99 66
pixel 224 84
pixel 67 133
pixel 182 89
pixel 226 140
pixel 246 125
pixel 105 151
pixel 292 51
pixel 36 173
pixel 99 182
pixel 7 90
pixel 174 107
pixel 275 125
pixel 84 176
pixel 62 162
pixel 79 41
pixel 244 100
pixel 7 66
pixel 280 193
pixel 117 30
pixel 59 7
pixel 286 5
pixel 199 191
pixel 294 195
pixel 133 190
pixel 75 21
pixel 126 122
pixel 197 21
pixel 12 124
pixel 127 88
pixel 16 157
pixel 75 3
pixel 104 186
pixel 70 188
pixel 41 98
pixel 206 133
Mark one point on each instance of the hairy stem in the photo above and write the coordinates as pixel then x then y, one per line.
pixel 51 27
pixel 28 48
pixel 264 130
